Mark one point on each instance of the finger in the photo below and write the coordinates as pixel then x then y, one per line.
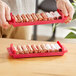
pixel 7 13
pixel 6 25
pixel 64 10
pixel 70 10
pixel 71 13
pixel 67 21
pixel 0 22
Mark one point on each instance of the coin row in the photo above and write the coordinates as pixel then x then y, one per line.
pixel 43 48
pixel 45 16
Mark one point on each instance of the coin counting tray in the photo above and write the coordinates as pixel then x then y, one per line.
pixel 61 53
pixel 15 24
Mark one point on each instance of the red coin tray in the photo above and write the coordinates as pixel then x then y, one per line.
pixel 15 24
pixel 11 53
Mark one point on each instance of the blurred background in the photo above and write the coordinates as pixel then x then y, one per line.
pixel 50 32
pixel 53 32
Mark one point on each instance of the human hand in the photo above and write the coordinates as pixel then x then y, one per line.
pixel 4 15
pixel 66 7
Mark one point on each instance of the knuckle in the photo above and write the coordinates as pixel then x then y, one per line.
pixel 8 8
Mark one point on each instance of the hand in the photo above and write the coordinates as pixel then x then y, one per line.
pixel 4 15
pixel 66 7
